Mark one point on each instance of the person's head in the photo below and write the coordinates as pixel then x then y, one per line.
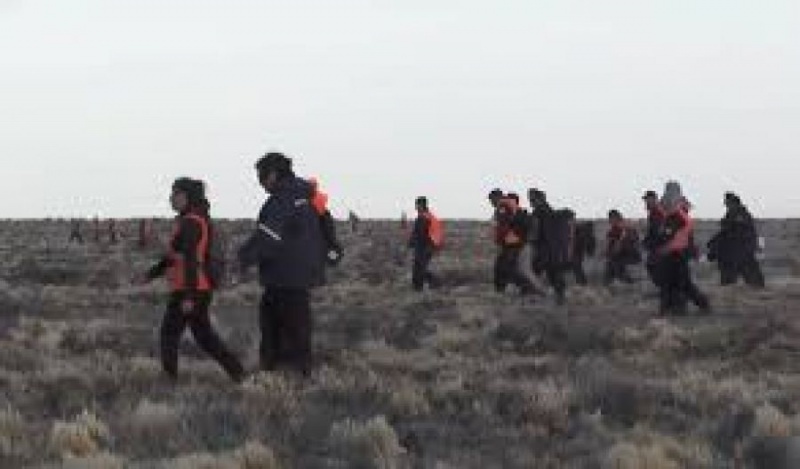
pixel 188 194
pixel 650 200
pixel 495 196
pixel 732 200
pixel 271 168
pixel 673 196
pixel 421 204
pixel 536 197
pixel 614 216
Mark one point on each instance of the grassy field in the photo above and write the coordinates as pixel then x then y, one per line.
pixel 460 377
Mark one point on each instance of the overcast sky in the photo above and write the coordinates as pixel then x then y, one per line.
pixel 104 102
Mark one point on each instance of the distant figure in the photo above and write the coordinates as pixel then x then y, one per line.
pixel 674 252
pixel 113 234
pixel 98 232
pixel 655 224
pixel 584 244
pixel 287 246
pixel 354 221
pixel 404 221
pixel 510 234
pixel 622 249
pixel 191 282
pixel 551 238
pixel 736 245
pixel 145 233
pixel 331 247
pixel 427 237
pixel 76 234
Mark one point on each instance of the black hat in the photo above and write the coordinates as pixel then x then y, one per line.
pixel 536 194
pixel 614 213
pixel 274 162
pixel 422 201
pixel 495 194
pixel 650 195
pixel 194 189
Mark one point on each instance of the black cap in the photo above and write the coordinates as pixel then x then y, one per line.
pixel 650 195
pixel 495 193
pixel 194 189
pixel 614 213
pixel 732 197
pixel 274 162
pixel 422 201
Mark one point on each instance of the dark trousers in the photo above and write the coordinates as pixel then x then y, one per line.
pixel 617 269
pixel 677 285
pixel 285 321
pixel 507 270
pixel 651 265
pixel 420 272
pixel 576 266
pixel 747 268
pixel 175 322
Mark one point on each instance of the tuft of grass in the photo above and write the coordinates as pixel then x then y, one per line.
pixel 12 432
pixel 771 422
pixel 79 438
pixel 630 456
pixel 370 444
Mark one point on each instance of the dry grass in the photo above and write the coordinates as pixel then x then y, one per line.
pixel 371 444
pixel 80 438
pixel 465 378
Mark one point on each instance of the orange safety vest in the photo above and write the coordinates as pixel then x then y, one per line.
pixel 682 239
pixel 435 230
pixel 177 267
pixel 319 199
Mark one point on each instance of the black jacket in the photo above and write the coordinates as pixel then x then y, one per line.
pixel 552 238
pixel 737 238
pixel 420 239
pixel 287 243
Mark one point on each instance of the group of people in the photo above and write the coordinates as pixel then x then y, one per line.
pixel 295 239
pixel 559 244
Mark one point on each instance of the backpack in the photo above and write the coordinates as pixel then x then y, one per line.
pixel 217 263
pixel 435 231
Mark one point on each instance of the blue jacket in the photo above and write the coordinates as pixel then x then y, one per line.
pixel 287 243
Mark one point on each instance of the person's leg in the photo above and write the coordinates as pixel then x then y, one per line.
pixel 580 272
pixel 515 273
pixel 418 271
pixel 555 276
pixel 297 329
pixel 753 275
pixel 270 325
pixel 688 289
pixel 728 274
pixel 208 339
pixel 500 272
pixel 172 327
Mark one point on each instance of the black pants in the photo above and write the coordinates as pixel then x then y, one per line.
pixel 617 269
pixel 175 322
pixel 677 285
pixel 507 270
pixel 420 273
pixel 651 265
pixel 576 266
pixel 285 320
pixel 747 268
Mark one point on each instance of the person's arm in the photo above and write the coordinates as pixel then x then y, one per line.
pixel 188 241
pixel 159 269
pixel 268 237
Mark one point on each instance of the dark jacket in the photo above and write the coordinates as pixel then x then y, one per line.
pixel 737 238
pixel 655 222
pixel 420 240
pixel 552 238
pixel 287 243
